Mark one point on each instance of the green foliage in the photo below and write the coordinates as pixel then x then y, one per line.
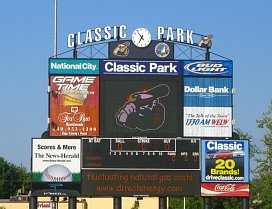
pixel 12 178
pixel 265 163
pixel 36 176
pixel 226 203
pixel 253 149
pixel 190 202
pixel 261 184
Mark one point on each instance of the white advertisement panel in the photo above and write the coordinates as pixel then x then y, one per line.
pixel 56 160
pixel 207 122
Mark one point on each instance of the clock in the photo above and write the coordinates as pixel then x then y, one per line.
pixel 141 37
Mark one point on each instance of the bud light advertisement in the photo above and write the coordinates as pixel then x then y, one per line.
pixel 225 161
pixel 207 68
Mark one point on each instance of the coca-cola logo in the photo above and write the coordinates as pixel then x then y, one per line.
pixel 73 117
pixel 225 188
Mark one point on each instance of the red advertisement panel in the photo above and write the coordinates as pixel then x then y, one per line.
pixel 225 189
pixel 74 105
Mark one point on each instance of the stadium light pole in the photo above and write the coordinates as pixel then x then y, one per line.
pixel 55 28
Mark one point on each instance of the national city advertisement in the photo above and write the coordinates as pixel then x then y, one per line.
pixel 63 66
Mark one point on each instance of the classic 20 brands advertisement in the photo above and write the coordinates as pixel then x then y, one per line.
pixel 225 168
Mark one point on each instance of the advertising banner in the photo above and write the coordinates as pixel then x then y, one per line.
pixel 140 183
pixel 225 161
pixel 44 205
pixel 207 122
pixel 74 105
pixel 56 160
pixel 140 106
pixel 141 67
pixel 207 92
pixel 207 68
pixel 73 66
pixel 225 189
pixel 156 50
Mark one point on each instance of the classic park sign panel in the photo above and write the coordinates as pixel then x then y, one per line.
pixel 141 37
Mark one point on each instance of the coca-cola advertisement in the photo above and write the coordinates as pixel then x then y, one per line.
pixel 74 105
pixel 225 189
pixel 225 161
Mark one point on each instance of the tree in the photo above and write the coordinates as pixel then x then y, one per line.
pixel 12 178
pixel 261 185
pixel 190 202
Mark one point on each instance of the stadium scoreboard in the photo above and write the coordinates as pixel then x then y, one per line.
pixel 141 153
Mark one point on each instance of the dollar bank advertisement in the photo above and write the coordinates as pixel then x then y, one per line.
pixel 225 161
pixel 56 160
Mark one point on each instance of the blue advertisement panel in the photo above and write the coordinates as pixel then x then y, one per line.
pixel 207 68
pixel 141 67
pixel 225 161
pixel 73 66
pixel 207 92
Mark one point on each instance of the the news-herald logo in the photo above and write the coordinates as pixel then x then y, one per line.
pixel 206 68
pixel 224 188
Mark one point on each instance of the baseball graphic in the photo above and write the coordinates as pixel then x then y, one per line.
pixel 57 173
pixel 144 110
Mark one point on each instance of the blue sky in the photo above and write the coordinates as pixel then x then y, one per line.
pixel 242 32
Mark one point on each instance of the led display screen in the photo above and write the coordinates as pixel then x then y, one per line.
pixel 141 106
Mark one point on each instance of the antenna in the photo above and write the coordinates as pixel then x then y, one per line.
pixel 55 29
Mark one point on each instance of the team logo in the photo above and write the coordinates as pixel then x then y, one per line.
pixel 162 50
pixel 206 42
pixel 122 50
pixel 143 110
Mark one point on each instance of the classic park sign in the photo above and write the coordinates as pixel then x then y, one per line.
pixel 140 36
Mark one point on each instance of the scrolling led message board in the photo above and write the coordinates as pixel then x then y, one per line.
pixel 140 166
